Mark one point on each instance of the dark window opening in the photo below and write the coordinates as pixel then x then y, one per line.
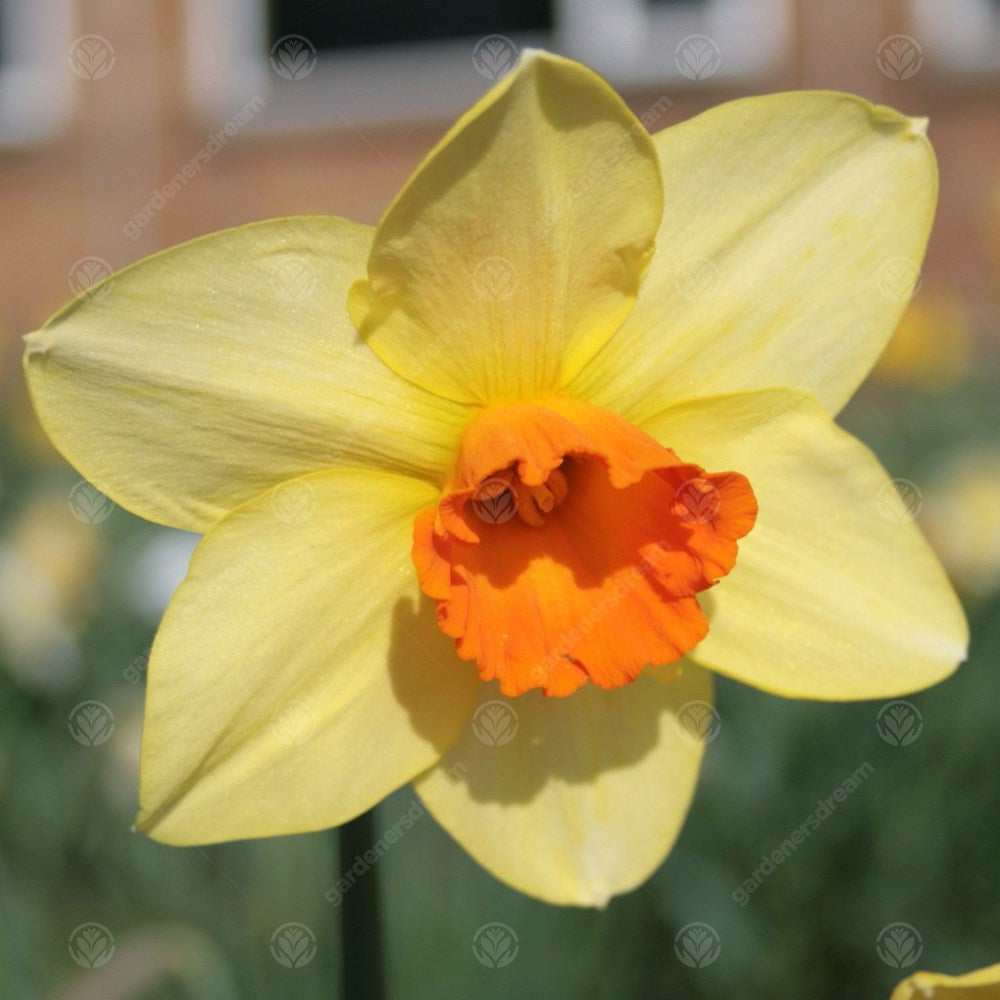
pixel 345 24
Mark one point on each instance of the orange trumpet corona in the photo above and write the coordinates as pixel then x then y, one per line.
pixel 568 545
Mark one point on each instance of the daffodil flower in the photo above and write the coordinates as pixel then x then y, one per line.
pixel 982 984
pixel 464 476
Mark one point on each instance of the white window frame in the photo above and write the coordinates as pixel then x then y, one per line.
pixel 960 36
pixel 36 82
pixel 635 43
pixel 632 42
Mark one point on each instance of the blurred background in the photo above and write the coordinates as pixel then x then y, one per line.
pixel 130 125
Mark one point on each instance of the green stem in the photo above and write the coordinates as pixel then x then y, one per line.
pixel 360 917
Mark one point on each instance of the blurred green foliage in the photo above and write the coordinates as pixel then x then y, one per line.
pixel 916 843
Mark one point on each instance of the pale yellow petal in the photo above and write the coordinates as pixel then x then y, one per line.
pixel 203 375
pixel 298 676
pixel 517 248
pixel 793 231
pixel 983 984
pixel 576 799
pixel 835 593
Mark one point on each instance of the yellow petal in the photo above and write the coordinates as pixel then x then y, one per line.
pixel 793 229
pixel 298 676
pixel 576 799
pixel 201 376
pixel 517 248
pixel 835 593
pixel 983 984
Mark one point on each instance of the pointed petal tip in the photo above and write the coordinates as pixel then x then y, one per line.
pixel 530 54
pixel 599 899
pixel 909 127
pixel 37 342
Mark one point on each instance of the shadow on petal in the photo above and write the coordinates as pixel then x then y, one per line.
pixel 512 748
pixel 428 678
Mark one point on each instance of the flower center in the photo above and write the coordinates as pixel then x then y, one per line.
pixel 569 545
pixel 501 496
